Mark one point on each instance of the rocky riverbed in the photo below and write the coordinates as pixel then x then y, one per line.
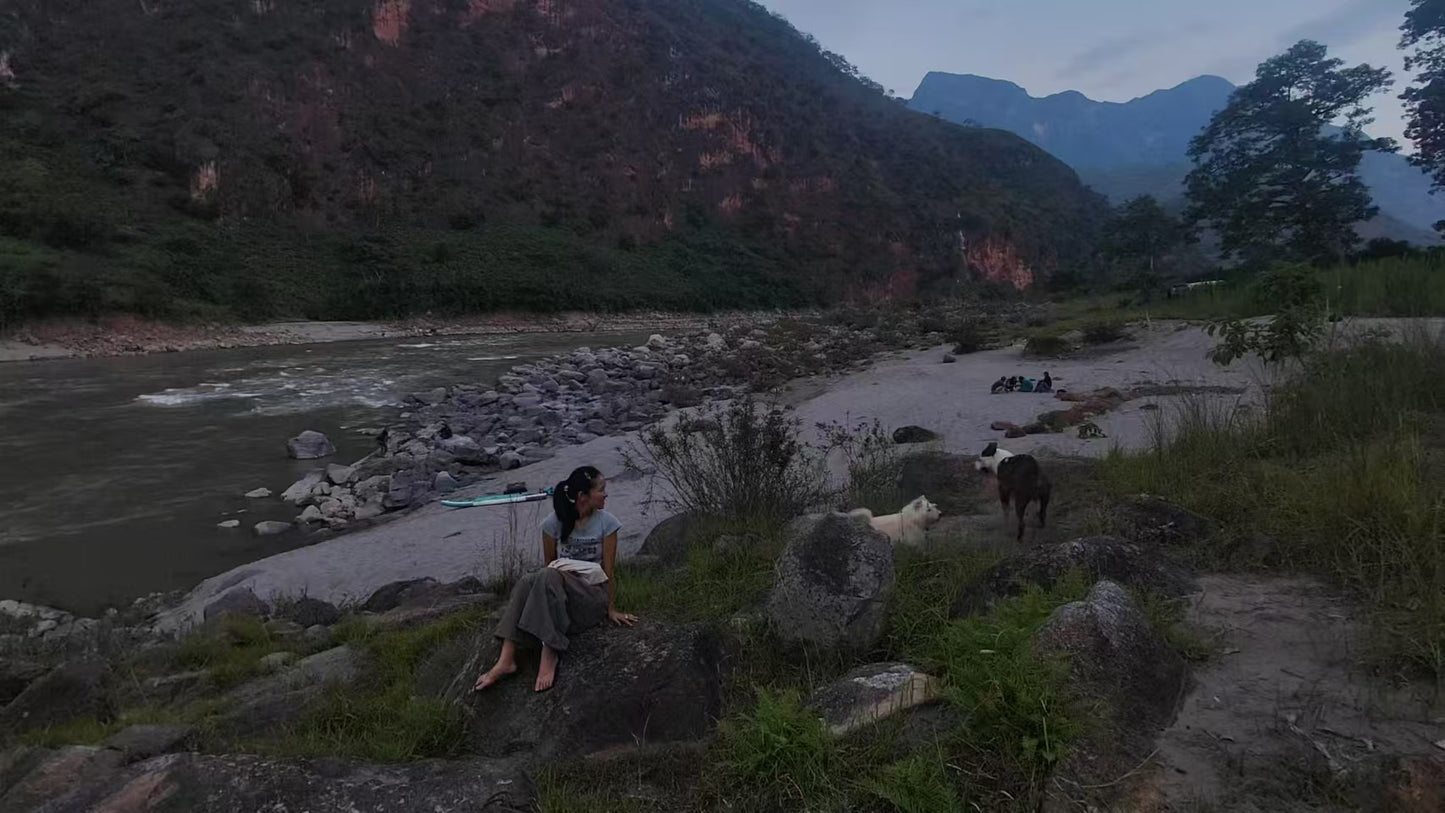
pixel 454 436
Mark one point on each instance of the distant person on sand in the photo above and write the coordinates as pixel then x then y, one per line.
pixel 1001 385
pixel 574 591
pixel 1045 385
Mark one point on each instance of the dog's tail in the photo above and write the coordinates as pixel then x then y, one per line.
pixel 861 512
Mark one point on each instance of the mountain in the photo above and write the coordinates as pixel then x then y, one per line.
pixel 368 158
pixel 1141 146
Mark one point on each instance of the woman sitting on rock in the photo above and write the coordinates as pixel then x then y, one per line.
pixel 574 591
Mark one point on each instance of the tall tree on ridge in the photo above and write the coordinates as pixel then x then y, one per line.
pixel 1276 172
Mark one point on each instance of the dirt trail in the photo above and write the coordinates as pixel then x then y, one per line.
pixel 1285 714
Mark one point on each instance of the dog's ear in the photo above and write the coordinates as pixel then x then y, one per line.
pixel 990 450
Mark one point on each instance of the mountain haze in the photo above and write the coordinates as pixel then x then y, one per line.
pixel 362 158
pixel 1123 149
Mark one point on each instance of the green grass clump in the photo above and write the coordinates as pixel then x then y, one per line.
pixel 230 651
pixel 382 718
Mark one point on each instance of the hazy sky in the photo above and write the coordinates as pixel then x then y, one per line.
pixel 1110 50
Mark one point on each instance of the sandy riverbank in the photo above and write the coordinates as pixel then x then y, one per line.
pixel 122 336
pixel 900 389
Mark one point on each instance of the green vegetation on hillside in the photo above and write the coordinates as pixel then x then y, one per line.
pixel 226 159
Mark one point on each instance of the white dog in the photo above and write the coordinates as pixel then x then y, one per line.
pixel 991 457
pixel 906 527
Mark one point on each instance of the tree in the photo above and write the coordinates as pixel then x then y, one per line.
pixel 1276 171
pixel 1139 234
pixel 1424 31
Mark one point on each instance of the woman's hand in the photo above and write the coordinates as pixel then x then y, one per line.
pixel 621 619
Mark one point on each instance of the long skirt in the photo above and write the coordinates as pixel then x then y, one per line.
pixel 547 605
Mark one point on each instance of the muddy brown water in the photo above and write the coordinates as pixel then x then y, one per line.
pixel 117 471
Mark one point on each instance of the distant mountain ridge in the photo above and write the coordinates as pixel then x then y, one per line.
pixel 1123 149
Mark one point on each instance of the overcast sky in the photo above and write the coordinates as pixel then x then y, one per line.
pixel 1110 50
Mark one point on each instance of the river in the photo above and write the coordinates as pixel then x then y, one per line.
pixel 117 471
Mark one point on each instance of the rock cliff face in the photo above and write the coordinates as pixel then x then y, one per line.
pixel 363 157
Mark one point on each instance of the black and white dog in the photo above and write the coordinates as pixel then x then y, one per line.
pixel 1019 478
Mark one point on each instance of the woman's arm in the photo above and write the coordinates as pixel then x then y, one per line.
pixel 549 549
pixel 609 566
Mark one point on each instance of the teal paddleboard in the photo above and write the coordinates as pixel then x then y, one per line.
pixel 497 499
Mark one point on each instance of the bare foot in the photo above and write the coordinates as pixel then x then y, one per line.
pixel 492 676
pixel 546 670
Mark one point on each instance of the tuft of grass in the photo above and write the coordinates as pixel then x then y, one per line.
pixel 918 784
pixel 231 650
pixel 382 718
pixel 80 731
pixel 715 580
pixel 1344 469
pixel 781 749
pixel 1017 711
pixel 94 731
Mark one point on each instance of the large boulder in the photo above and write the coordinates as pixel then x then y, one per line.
pixel 68 692
pixel 308 612
pixel 418 593
pixel 1121 667
pixel 139 742
pixel 667 543
pixel 243 784
pixel 467 450
pixel 914 434
pixel 33 779
pixel 617 687
pixel 833 583
pixel 237 601
pixel 872 693
pixel 1151 520
pixel 16 674
pixel 1098 557
pixel 300 490
pixel 310 445
pixel 405 489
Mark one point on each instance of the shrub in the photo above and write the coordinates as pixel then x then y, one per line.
pixel 1105 332
pixel 743 462
pixel 872 461
pixel 1046 345
pixel 972 336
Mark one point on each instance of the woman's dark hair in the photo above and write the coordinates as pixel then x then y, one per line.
pixel 564 498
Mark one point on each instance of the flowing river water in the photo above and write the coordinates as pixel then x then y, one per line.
pixel 115 472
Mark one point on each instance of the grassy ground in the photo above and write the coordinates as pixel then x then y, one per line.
pixel 1394 287
pixel 1344 469
pixel 385 716
pixel 1004 723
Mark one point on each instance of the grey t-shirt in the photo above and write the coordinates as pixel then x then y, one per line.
pixel 585 543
